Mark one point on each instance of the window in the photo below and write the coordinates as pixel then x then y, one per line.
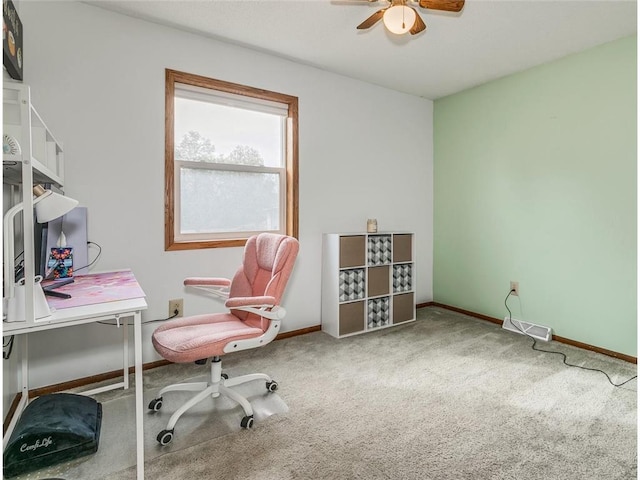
pixel 231 162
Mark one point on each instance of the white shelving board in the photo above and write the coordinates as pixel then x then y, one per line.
pixel 40 161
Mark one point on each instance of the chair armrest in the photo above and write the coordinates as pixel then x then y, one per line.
pixel 207 282
pixel 262 306
pixel 217 287
pixel 237 302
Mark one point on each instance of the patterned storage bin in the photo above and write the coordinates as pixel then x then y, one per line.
pixel 402 278
pixel 377 312
pixel 351 285
pixel 379 250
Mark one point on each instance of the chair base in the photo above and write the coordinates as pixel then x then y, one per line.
pixel 217 385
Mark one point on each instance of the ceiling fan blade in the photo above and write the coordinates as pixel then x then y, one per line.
pixel 446 5
pixel 418 25
pixel 369 22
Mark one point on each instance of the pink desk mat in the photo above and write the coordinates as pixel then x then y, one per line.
pixel 97 288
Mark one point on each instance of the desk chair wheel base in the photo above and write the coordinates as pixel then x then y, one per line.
pixel 155 404
pixel 165 437
pixel 247 422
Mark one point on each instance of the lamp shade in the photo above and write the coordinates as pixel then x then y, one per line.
pixel 399 19
pixel 52 206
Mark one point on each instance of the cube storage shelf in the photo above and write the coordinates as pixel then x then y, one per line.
pixel 368 281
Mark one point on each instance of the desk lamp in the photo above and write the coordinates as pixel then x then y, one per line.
pixel 48 206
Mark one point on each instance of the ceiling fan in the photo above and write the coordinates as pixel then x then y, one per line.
pixel 401 18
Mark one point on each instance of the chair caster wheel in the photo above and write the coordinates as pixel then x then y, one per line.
pixel 272 386
pixel 165 437
pixel 225 376
pixel 155 404
pixel 247 422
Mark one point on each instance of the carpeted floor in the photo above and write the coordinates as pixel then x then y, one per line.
pixel 445 397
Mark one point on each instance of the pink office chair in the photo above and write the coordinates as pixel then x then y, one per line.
pixel 253 297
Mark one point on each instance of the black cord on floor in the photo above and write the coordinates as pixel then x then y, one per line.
pixel 564 357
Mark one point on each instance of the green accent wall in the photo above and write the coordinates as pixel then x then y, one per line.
pixel 535 181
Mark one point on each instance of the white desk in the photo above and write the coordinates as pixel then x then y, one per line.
pixel 120 310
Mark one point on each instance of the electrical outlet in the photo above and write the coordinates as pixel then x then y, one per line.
pixel 514 288
pixel 174 305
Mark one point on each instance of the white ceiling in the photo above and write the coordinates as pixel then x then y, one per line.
pixel 488 39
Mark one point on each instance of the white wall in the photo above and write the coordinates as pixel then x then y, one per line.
pixel 97 79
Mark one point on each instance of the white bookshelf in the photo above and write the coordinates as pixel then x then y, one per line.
pixel 40 161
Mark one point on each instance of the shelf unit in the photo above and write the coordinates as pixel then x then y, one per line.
pixel 41 161
pixel 368 281
pixel 41 152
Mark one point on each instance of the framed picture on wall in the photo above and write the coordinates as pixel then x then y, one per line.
pixel 12 40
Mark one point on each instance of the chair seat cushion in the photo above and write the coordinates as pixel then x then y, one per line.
pixel 189 339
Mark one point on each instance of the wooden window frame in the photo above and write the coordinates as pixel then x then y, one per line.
pixel 291 155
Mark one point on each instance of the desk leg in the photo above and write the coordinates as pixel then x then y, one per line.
pixel 137 327
pixel 125 353
pixel 24 347
pixel 24 390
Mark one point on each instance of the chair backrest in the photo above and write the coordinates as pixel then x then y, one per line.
pixel 266 266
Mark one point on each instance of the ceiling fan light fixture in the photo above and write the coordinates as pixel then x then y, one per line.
pixel 399 19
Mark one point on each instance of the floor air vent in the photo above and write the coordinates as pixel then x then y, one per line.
pixel 539 332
